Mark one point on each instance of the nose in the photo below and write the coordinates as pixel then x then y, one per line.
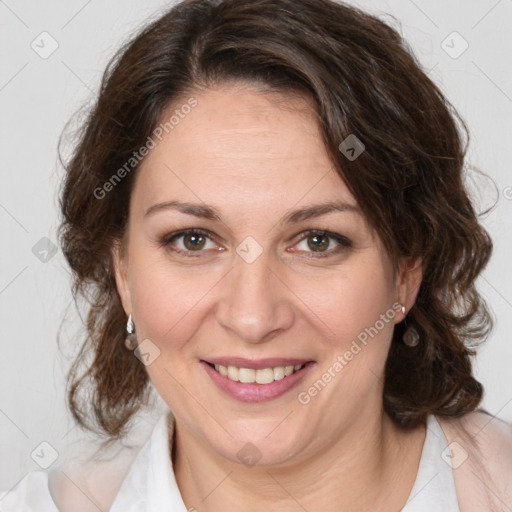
pixel 255 304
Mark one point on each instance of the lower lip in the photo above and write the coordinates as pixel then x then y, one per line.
pixel 257 392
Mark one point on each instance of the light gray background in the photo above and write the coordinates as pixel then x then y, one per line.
pixel 37 97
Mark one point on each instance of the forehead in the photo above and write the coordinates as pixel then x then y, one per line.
pixel 244 147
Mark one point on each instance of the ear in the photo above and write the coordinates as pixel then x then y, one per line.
pixel 408 282
pixel 121 275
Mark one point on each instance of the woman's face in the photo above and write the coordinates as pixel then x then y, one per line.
pixel 256 284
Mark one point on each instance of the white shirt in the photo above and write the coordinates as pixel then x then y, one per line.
pixel 434 487
pixel 150 485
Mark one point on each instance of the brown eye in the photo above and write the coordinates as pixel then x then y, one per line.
pixel 189 241
pixel 323 243
pixel 194 241
pixel 318 243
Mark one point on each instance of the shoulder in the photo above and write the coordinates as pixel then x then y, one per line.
pixel 481 458
pixel 483 431
pixel 85 486
pixel 39 491
pixel 30 494
pixel 92 484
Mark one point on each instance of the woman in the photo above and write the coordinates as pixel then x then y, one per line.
pixel 266 212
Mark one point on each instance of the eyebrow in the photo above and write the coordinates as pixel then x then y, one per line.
pixel 211 213
pixel 316 210
pixel 197 210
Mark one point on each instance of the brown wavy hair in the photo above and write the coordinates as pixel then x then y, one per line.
pixel 365 81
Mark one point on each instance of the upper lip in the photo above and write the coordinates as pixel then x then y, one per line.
pixel 256 364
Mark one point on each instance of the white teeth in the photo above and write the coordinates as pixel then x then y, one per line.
pixel 233 373
pixel 278 373
pixel 264 375
pixel 260 376
pixel 247 375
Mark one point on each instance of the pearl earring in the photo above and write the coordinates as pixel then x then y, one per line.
pixel 131 340
pixel 411 337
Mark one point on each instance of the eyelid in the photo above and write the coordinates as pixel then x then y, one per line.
pixel 343 241
pixel 175 234
pixel 324 232
pixel 166 240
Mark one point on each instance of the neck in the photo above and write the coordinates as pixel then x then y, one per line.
pixel 363 469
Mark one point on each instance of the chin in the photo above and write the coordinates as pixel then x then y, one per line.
pixel 262 443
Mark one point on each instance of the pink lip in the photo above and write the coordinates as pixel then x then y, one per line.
pixel 257 392
pixel 256 364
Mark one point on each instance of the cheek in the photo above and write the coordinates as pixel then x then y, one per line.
pixel 168 302
pixel 357 316
pixel 350 300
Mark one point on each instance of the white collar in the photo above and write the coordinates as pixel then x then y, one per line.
pixel 434 487
pixel 150 484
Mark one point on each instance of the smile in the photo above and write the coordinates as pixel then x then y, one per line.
pixel 260 376
pixel 267 381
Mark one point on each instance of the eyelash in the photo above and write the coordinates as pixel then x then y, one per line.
pixel 343 242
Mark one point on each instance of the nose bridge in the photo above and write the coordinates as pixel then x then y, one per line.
pixel 254 302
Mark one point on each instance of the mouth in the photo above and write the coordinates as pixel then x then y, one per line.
pixel 256 381
pixel 256 375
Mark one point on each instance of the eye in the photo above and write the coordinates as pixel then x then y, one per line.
pixel 188 241
pixel 316 243
pixel 323 243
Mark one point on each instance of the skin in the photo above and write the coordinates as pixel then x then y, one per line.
pixel 255 157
